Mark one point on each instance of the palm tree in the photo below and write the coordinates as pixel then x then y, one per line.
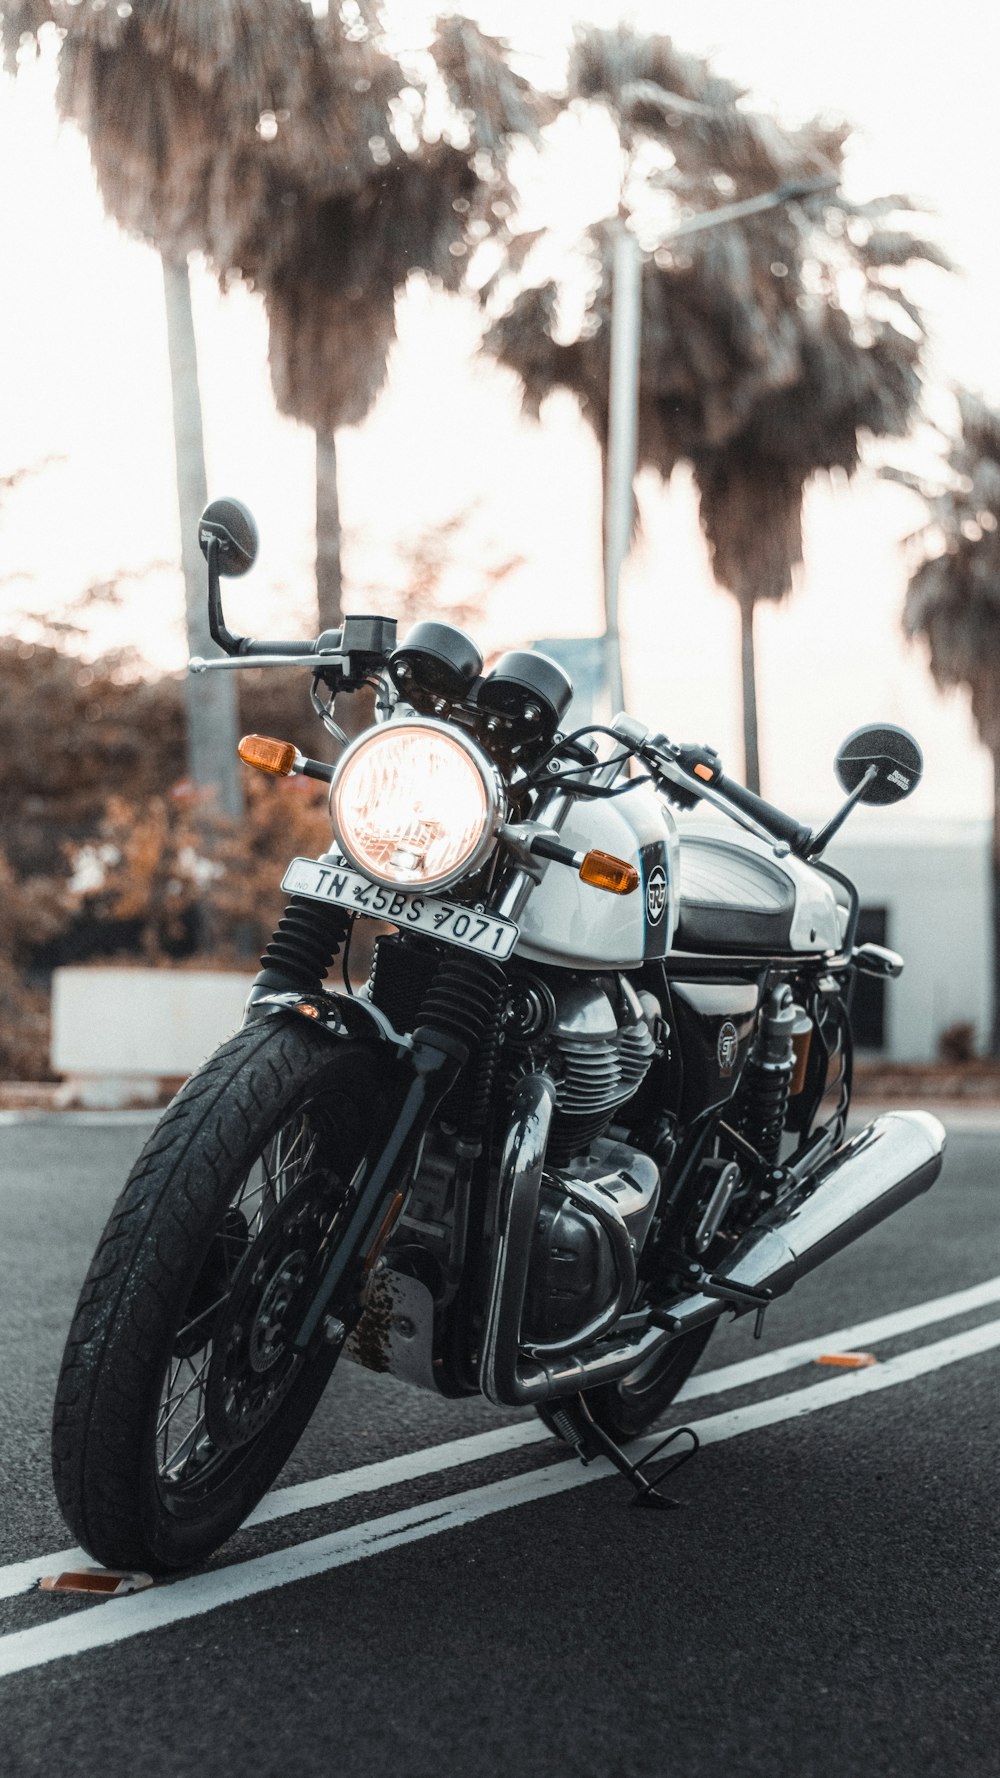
pixel 771 344
pixel 275 143
pixel 953 598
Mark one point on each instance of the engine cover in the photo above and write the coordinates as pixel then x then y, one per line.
pixel 572 1275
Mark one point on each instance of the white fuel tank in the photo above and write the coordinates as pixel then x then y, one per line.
pixel 568 922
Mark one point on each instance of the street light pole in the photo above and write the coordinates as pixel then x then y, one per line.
pixel 623 396
pixel 623 423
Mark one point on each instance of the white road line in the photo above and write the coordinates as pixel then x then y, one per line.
pixel 967 1118
pixel 89 1119
pixel 19 1577
pixel 843 1339
pixel 172 1604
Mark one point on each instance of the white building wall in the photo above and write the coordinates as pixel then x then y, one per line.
pixel 934 880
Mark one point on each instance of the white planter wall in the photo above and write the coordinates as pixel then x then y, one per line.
pixel 117 1032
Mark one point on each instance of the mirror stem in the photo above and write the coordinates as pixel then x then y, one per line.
pixel 819 842
pixel 229 643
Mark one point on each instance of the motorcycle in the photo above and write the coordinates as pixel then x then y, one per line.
pixel 593 1097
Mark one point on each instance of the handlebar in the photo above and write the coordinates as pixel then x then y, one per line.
pixel 248 645
pixel 784 827
pixel 703 770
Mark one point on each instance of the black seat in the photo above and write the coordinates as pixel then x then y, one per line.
pixel 732 899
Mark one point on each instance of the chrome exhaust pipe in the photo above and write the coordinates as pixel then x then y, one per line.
pixel 891 1161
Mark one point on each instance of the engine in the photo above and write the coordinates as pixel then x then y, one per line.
pixel 595 1039
pixel 594 1036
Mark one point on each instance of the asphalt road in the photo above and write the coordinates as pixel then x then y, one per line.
pixel 825 1604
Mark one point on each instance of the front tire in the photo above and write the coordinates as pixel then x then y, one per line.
pixel 180 1395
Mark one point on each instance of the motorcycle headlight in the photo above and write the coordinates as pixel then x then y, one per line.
pixel 415 805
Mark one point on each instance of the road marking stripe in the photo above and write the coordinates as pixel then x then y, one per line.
pixel 174 1603
pixel 95 1119
pixel 863 1333
pixel 19 1577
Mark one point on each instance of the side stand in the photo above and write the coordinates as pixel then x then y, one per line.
pixel 576 1426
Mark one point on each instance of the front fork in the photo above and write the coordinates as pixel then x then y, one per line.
pixel 464 1000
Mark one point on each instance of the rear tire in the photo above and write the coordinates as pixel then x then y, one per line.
pixel 633 1404
pixel 194 1293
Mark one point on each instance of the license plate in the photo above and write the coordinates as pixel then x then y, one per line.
pixel 332 881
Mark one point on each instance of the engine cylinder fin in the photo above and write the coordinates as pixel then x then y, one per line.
pixel 591 1080
pixel 636 1049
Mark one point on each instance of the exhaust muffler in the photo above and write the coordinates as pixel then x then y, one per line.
pixel 892 1160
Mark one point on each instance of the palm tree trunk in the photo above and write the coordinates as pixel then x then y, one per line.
pixel 211 697
pixel 751 757
pixel 353 710
pixel 995 911
pixel 995 883
pixel 329 588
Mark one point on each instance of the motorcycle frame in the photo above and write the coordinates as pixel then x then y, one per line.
pixel 502 1199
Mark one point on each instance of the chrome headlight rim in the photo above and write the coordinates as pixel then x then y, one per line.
pixel 493 787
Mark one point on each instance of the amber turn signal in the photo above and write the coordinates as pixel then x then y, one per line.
pixel 602 871
pixel 268 755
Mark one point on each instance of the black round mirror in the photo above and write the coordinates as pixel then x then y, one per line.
pixel 897 759
pixel 233 527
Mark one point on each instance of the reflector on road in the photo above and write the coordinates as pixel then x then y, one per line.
pixel 109 1583
pixel 847 1361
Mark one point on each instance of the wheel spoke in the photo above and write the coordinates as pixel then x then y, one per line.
pixel 179 1463
pixel 182 1398
pixel 188 1325
pixel 291 1162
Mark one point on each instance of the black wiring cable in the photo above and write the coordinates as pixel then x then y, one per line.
pixel 602 792
pixel 345 958
pixel 566 741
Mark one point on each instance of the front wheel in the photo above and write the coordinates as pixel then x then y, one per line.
pixel 181 1394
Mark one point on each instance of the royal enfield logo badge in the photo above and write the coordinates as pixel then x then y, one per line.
pixel 727 1046
pixel 656 894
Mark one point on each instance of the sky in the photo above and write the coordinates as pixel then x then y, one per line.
pixel 84 390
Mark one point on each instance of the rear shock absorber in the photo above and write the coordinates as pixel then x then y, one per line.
pixel 767 1077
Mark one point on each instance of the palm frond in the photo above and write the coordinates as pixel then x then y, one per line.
pixel 751 513
pixel 495 102
pixel 895 247
pixel 760 363
pixel 953 596
pixel 21 21
pixel 328 349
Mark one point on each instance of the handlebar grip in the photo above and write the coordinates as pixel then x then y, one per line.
pixel 784 827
